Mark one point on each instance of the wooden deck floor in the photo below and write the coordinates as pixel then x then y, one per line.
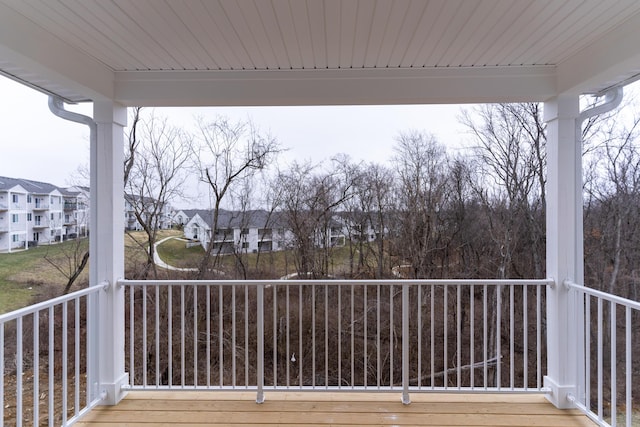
pixel 191 409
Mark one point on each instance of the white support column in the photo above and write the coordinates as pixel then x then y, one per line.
pixel 564 248
pixel 107 245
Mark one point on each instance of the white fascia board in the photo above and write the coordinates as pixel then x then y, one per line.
pixel 335 87
pixel 613 59
pixel 34 55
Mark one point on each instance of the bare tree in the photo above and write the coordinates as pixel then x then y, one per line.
pixel 156 177
pixel 226 154
pixel 133 142
pixel 510 152
pixel 421 164
pixel 71 262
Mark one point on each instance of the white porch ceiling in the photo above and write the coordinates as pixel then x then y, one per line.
pixel 261 52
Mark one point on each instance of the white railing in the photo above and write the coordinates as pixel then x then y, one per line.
pixel 611 347
pixel 413 335
pixel 47 361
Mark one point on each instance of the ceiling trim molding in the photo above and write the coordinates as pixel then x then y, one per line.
pixel 336 87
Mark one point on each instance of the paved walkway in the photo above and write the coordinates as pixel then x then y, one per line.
pixel 160 263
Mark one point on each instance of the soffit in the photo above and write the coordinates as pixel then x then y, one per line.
pixel 147 44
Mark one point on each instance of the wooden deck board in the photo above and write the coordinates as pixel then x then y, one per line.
pixel 190 409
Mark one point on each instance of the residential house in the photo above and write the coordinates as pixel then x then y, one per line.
pixel 182 216
pixel 250 231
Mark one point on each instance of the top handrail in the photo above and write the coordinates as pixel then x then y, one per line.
pixel 341 282
pixel 21 312
pixel 604 295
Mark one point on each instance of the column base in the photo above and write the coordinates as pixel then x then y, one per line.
pixel 114 392
pixel 559 394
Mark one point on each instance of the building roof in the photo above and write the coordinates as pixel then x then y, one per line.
pixel 35 187
pixel 258 218
pixel 324 52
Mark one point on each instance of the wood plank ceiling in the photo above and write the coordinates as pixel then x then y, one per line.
pixel 407 37
pixel 325 34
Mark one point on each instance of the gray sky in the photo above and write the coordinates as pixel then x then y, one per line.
pixel 40 146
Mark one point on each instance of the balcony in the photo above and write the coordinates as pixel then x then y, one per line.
pixel 70 206
pixel 39 206
pixel 43 223
pixel 455 349
pixel 3 206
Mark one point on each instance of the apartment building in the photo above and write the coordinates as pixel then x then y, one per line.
pixel 249 231
pixel 34 212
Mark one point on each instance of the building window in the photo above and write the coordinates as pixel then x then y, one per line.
pixel 28 198
pixel 15 238
pixel 14 218
pixel 29 217
pixel 51 217
pixel 14 198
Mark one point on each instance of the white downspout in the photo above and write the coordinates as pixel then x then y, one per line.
pixel 612 99
pixel 56 106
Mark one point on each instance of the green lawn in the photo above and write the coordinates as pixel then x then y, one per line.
pixel 176 253
pixel 27 274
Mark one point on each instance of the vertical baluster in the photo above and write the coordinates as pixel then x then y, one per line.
pixel 612 363
pixel 353 320
pixel 339 355
pixel 378 350
pixel 182 338
pixel 391 340
pixel 233 336
pixel 260 344
pixel 419 321
pixel 525 337
pixel 144 336
pixel 326 336
pixel 405 344
pixel 51 372
pixel 445 327
pixel 472 329
pixel 587 346
pixel 36 371
pixel 538 337
pixel 313 336
pixel 498 336
pixel 76 306
pixel 220 336
pixel 366 327
pixel 459 334
pixel 132 342
pixel 170 335
pixel 65 359
pixel 157 334
pixel 275 336
pixel 288 347
pixel 208 329
pixel 246 336
pixel 485 339
pixel 300 311
pixel 19 373
pixel 512 352
pixel 600 370
pixel 433 335
pixel 195 336
pixel 628 368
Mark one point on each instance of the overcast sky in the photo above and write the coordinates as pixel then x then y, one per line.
pixel 40 146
